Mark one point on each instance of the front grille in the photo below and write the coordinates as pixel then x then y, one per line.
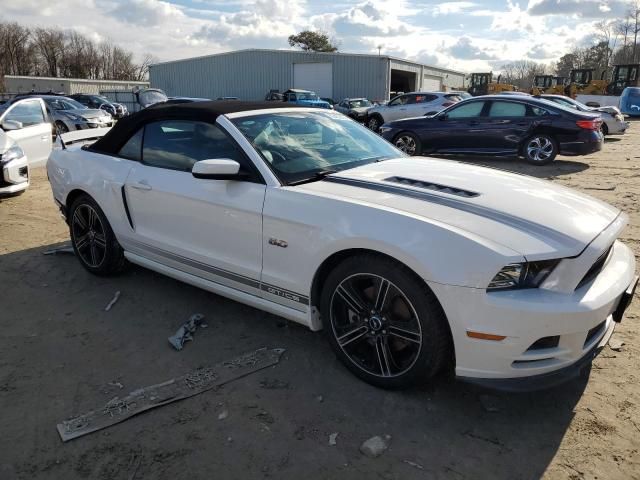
pixel 545 342
pixel 593 333
pixel 596 268
pixel 433 186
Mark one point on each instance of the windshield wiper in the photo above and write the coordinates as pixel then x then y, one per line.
pixel 319 175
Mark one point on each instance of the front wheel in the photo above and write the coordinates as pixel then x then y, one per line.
pixel 408 143
pixel 383 322
pixel 61 127
pixel 374 123
pixel 93 240
pixel 540 150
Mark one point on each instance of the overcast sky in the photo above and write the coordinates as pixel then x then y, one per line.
pixel 463 35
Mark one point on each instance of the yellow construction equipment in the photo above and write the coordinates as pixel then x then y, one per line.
pixel 483 84
pixel 623 76
pixel 583 83
pixel 548 84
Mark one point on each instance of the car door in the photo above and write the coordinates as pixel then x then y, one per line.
pixel 26 122
pixel 208 228
pixel 396 109
pixel 508 124
pixel 461 129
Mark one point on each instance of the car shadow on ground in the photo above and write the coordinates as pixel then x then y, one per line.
pixel 63 353
pixel 556 168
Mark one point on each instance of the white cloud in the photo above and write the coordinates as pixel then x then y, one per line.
pixel 450 8
pixel 146 12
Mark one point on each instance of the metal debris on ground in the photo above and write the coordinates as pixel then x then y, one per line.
pixel 616 345
pixel 273 384
pixel 116 384
pixel 609 188
pixel 186 331
pixel 414 464
pixel 332 439
pixel 110 305
pixel 223 414
pixel 118 409
pixel 62 249
pixel 375 446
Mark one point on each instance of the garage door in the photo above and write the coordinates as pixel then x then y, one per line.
pixel 431 83
pixel 317 77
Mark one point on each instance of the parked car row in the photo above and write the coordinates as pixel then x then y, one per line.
pixel 534 128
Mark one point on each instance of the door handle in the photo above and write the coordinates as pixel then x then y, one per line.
pixel 141 186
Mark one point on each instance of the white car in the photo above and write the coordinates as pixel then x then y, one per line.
pixel 25 141
pixel 408 105
pixel 613 122
pixel 410 265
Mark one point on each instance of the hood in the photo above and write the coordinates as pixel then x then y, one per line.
pixel 608 109
pixel 87 113
pixel 533 217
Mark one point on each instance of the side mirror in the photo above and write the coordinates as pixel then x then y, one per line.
pixel 442 117
pixel 217 169
pixel 11 125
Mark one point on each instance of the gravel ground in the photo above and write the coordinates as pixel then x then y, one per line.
pixel 61 354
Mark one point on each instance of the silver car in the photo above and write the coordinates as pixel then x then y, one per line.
pixel 408 105
pixel 67 114
pixel 355 108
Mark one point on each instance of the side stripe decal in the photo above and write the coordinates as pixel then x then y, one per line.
pixel 272 289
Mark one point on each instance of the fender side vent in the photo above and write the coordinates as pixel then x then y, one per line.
pixel 436 187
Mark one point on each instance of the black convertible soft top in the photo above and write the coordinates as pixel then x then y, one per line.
pixel 113 141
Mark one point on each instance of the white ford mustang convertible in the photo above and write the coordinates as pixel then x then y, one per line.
pixel 410 265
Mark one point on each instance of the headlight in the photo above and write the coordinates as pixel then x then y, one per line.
pixel 12 153
pixel 522 275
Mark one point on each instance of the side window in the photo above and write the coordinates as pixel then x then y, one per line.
pixel 401 100
pixel 467 110
pixel 423 98
pixel 28 113
pixel 178 144
pixel 133 148
pixel 507 109
pixel 538 111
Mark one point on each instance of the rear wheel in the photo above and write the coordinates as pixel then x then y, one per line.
pixel 383 322
pixel 61 127
pixel 604 129
pixel 408 143
pixel 93 240
pixel 540 149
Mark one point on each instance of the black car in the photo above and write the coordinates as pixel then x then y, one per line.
pixel 535 129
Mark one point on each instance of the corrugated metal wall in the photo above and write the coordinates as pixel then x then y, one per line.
pixel 250 74
pixel 17 84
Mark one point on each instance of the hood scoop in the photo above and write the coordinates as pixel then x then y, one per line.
pixel 436 187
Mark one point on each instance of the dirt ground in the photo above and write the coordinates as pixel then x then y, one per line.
pixel 59 352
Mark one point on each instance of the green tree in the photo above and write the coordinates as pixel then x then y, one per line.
pixel 312 42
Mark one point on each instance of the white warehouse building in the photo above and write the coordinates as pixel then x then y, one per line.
pixel 251 74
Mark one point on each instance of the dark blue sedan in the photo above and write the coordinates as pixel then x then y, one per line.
pixel 535 129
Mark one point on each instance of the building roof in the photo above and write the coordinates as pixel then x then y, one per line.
pixel 233 52
pixel 64 79
pixel 195 111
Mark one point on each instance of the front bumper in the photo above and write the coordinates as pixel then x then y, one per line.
pixel 14 176
pixel 546 331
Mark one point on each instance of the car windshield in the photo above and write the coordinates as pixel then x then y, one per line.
pixel 64 104
pixel 307 96
pixel 303 146
pixel 359 103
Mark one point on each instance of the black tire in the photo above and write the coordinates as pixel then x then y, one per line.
pixel 93 240
pixel 61 127
pixel 540 149
pixel 410 329
pixel 374 122
pixel 408 143
pixel 604 129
